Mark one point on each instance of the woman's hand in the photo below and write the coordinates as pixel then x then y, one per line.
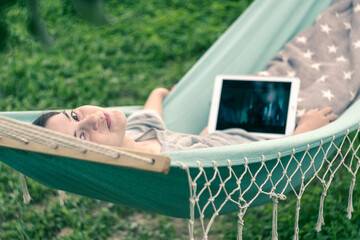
pixel 161 92
pixel 314 119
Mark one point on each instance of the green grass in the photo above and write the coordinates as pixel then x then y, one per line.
pixel 148 44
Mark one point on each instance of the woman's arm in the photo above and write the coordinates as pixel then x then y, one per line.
pixel 155 99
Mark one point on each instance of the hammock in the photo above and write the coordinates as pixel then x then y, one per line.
pixel 203 182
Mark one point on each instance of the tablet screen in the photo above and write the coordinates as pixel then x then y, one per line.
pixel 265 106
pixel 254 106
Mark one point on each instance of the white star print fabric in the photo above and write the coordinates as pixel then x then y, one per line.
pixel 326 58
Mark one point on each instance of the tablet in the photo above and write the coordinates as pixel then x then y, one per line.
pixel 265 106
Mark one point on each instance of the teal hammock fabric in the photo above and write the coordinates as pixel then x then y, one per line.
pixel 244 48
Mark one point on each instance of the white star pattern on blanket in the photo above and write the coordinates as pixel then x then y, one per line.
pixel 347 25
pixel 352 95
pixel 316 66
pixel 300 112
pixel 325 28
pixel 357 8
pixel 325 57
pixel 332 49
pixel 347 75
pixel 308 54
pixel 291 74
pixel 322 78
pixel 341 59
pixel 301 39
pixel 357 44
pixel 327 94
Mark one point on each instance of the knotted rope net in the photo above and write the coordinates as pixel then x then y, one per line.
pixel 242 186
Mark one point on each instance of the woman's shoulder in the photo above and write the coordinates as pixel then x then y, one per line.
pixel 144 114
pixel 145 119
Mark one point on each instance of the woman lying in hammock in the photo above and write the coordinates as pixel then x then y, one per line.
pixel 146 131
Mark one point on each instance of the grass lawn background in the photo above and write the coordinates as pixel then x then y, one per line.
pixel 148 44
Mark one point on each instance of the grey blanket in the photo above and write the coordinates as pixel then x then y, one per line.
pixel 326 58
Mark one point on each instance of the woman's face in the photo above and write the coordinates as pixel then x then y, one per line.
pixel 91 123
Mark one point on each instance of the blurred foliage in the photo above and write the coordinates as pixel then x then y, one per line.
pixel 147 44
pixel 92 10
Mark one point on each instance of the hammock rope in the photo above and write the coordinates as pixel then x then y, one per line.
pixel 26 194
pixel 275 217
pixel 334 155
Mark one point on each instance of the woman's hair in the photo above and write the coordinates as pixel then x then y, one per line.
pixel 43 118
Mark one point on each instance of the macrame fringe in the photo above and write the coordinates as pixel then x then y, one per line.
pixel 240 225
pixel 320 221
pixel 26 194
pixel 62 197
pixel 215 177
pixel 275 217
pixel 296 227
pixel 350 207
pixel 191 229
